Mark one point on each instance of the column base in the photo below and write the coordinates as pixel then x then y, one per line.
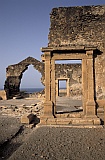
pixel 48 109
pixel 91 109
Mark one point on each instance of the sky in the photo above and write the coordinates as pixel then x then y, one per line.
pixel 24 28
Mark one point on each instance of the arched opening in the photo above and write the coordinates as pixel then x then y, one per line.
pixel 31 80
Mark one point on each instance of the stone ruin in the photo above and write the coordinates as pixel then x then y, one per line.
pixel 15 72
pixel 76 33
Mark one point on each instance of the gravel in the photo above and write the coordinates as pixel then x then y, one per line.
pixel 9 126
pixel 62 143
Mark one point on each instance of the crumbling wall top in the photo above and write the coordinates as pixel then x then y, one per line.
pixel 74 26
pixel 17 69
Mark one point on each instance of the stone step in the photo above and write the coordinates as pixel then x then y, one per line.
pixel 69 115
pixel 100 110
pixel 70 121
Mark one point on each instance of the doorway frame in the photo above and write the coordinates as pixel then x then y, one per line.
pixel 86 54
pixel 67 86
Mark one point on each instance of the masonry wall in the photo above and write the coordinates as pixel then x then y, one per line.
pixel 81 26
pixel 74 73
pixel 14 74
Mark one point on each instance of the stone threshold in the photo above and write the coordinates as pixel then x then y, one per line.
pixel 71 126
pixel 70 121
pixel 69 115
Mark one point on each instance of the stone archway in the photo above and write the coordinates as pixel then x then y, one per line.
pixel 15 72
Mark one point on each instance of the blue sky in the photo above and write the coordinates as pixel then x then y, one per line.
pixel 24 28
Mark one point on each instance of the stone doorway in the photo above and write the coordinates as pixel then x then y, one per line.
pixel 69 95
pixel 62 90
pixel 86 54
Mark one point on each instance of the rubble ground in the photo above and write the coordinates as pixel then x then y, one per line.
pixel 30 142
pixel 19 107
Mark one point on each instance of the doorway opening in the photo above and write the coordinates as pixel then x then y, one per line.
pixel 68 86
pixel 62 88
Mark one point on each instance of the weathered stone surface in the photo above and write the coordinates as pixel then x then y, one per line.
pixel 27 118
pixel 3 95
pixel 76 33
pixel 15 72
pixel 19 107
pixel 81 26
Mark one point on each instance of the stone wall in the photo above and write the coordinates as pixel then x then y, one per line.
pixel 74 73
pixel 81 26
pixel 15 72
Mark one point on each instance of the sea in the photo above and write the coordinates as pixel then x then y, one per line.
pixel 31 90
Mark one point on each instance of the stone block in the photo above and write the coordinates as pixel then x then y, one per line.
pixel 80 121
pixel 104 115
pixel 51 121
pixel 43 121
pixel 3 95
pixel 48 108
pixel 90 108
pixel 64 121
pixel 27 118
pixel 96 121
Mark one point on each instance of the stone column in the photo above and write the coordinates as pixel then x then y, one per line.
pixel 48 103
pixel 84 84
pixel 53 88
pixel 90 105
pixel 67 86
pixel 56 84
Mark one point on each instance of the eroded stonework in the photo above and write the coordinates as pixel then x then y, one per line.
pixel 15 72
pixel 76 33
pixel 81 26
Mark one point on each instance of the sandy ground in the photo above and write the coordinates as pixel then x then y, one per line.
pixel 30 142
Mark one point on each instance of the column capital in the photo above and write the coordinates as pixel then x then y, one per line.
pixel 89 53
pixel 47 55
